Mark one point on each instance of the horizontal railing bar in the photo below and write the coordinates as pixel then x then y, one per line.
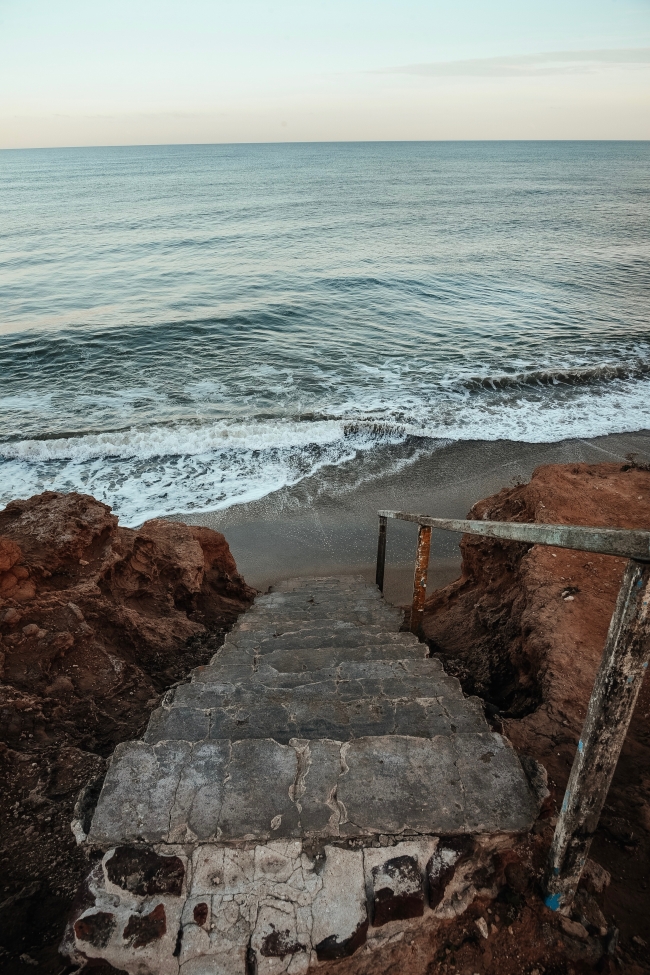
pixel 625 542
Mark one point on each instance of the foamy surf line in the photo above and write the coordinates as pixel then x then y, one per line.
pixel 191 468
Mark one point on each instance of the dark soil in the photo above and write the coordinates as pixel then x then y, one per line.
pixel 96 621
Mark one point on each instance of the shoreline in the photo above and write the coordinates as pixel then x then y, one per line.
pixel 327 524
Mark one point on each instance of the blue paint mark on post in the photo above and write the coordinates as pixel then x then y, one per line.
pixel 553 901
pixel 580 746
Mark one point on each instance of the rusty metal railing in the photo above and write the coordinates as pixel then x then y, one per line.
pixel 616 687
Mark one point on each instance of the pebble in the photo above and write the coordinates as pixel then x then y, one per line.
pixel 574 928
pixel 481 924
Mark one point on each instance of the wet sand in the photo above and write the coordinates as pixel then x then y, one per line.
pixel 328 525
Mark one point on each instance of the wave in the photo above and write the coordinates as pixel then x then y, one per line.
pixel 173 468
pixel 560 376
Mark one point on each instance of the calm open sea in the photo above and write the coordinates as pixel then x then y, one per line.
pixel 184 328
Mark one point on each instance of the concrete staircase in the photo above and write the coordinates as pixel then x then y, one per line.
pixel 321 778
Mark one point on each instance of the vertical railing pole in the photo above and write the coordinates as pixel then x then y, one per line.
pixel 420 578
pixel 381 553
pixel 616 688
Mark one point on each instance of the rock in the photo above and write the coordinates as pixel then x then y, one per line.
pixel 144 872
pixel 573 928
pixel 142 929
pixel 611 941
pixel 398 890
pixel 451 852
pixel 594 877
pixel 95 929
pixel 28 960
pixel 585 909
pixel 481 924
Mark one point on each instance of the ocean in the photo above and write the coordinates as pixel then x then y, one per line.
pixel 186 328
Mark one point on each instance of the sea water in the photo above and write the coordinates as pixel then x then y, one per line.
pixel 185 328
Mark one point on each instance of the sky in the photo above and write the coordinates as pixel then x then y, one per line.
pixel 124 72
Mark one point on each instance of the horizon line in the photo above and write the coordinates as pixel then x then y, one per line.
pixel 313 142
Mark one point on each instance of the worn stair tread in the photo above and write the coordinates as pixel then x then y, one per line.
pixel 327 710
pixel 269 637
pixel 313 582
pixel 319 719
pixel 240 666
pixel 360 615
pixel 258 789
pixel 404 678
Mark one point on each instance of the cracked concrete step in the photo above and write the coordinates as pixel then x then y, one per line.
pixel 317 722
pixel 311 711
pixel 325 582
pixel 333 604
pixel 230 667
pixel 237 665
pixel 316 635
pixel 350 680
pixel 359 616
pixel 259 789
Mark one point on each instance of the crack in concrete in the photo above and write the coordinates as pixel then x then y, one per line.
pixel 298 788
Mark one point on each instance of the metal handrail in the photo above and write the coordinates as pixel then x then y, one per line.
pixel 618 681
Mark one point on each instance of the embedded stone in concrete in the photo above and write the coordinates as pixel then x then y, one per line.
pixel 397 890
pixel 142 929
pixel 440 869
pixel 143 872
pixel 95 929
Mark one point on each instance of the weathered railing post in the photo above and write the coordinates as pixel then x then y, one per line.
pixel 381 553
pixel 617 685
pixel 420 578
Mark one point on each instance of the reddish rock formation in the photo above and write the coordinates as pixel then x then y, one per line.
pixel 95 622
pixel 524 627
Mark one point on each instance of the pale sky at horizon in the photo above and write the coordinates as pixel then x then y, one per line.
pixel 79 73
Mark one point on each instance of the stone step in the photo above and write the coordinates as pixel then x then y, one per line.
pixel 347 681
pixel 316 635
pixel 260 789
pixel 317 728
pixel 321 710
pixel 235 665
pixel 355 614
pixel 336 583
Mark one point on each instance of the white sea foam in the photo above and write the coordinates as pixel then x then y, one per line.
pixel 158 470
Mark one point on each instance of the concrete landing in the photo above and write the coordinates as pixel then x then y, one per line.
pixel 316 734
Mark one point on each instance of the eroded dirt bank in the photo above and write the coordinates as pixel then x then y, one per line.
pixel 95 622
pixel 524 628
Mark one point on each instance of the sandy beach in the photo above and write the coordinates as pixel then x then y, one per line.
pixel 328 524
